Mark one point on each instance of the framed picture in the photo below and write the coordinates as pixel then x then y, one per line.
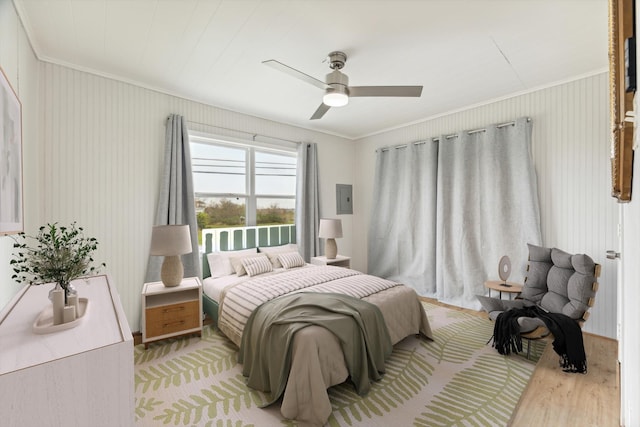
pixel 11 215
pixel 622 87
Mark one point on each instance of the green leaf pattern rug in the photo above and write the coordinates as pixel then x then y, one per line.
pixel 455 380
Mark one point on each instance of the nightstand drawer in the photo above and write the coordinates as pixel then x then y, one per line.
pixel 172 318
pixel 171 311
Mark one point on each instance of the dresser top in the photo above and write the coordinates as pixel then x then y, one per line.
pixel 103 324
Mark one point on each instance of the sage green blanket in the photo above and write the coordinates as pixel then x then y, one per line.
pixel 265 350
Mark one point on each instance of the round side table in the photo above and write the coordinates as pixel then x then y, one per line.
pixel 506 287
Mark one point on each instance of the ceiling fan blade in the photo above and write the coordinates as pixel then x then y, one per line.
pixel 414 91
pixel 295 73
pixel 323 108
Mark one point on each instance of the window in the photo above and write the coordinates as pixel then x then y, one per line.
pixel 239 184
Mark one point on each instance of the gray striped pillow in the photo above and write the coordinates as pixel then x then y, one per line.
pixel 257 265
pixel 291 260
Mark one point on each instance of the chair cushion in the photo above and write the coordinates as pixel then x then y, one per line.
pixel 495 306
pixel 569 284
pixel 491 305
pixel 535 285
pixel 528 324
pixel 556 280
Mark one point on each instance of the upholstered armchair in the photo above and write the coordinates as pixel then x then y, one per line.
pixel 556 282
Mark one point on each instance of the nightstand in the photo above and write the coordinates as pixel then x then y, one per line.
pixel 339 261
pixel 171 311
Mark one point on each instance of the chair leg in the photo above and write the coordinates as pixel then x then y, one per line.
pixel 537 334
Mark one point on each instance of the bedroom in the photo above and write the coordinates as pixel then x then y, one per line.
pixel 111 156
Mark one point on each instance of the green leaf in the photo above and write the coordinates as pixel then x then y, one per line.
pixel 58 254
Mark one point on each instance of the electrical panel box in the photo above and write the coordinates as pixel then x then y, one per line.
pixel 344 199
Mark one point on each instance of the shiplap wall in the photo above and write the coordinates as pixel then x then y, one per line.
pixel 92 153
pixel 93 149
pixel 103 145
pixel 20 65
pixel 571 156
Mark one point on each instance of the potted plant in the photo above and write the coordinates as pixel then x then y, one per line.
pixel 56 254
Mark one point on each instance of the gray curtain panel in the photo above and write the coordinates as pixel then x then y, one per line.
pixel 481 203
pixel 176 203
pixel 403 222
pixel 307 201
pixel 487 207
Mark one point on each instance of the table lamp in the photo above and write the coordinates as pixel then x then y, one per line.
pixel 171 241
pixel 330 229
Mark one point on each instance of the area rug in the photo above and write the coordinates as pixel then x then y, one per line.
pixel 455 380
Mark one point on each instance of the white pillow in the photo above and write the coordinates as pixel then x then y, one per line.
pixel 273 257
pixel 282 248
pixel 291 260
pixel 273 252
pixel 220 263
pixel 257 265
pixel 236 263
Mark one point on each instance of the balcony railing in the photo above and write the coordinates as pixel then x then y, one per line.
pixel 234 238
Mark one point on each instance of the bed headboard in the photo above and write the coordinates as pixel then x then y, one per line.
pixel 234 239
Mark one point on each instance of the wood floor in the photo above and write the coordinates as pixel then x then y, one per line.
pixel 557 399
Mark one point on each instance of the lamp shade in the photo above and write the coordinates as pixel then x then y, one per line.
pixel 169 240
pixel 330 228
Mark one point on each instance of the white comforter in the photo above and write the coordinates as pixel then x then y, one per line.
pixel 317 360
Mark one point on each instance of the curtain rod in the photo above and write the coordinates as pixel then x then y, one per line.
pixel 453 135
pixel 254 135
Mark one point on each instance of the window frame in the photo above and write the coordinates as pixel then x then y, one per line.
pixel 289 149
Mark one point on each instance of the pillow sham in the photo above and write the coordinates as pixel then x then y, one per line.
pixel 286 248
pixel 273 258
pixel 236 263
pixel 273 252
pixel 291 260
pixel 220 263
pixel 257 265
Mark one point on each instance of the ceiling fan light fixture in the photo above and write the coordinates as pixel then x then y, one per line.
pixel 336 85
pixel 336 97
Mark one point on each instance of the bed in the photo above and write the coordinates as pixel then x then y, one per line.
pixel 317 361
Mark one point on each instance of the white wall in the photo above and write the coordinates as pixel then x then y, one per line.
pixel 103 143
pixel 21 68
pixel 93 152
pixel 571 156
pixel 629 344
pixel 630 295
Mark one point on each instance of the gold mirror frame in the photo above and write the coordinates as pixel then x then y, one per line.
pixel 621 27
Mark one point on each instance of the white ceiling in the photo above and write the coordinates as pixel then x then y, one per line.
pixel 463 52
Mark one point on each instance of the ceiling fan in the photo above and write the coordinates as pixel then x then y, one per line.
pixel 336 88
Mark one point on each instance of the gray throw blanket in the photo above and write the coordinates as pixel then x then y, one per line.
pixel 265 350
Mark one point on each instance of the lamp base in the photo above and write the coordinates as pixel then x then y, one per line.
pixel 331 249
pixel 172 271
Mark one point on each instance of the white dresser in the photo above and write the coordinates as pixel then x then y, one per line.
pixel 76 377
